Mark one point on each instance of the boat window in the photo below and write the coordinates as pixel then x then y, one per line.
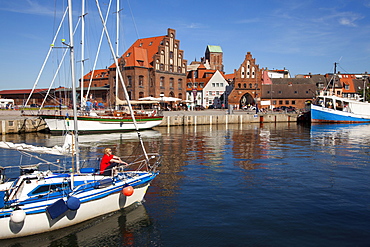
pixel 339 105
pixel 46 188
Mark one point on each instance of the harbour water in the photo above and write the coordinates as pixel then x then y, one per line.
pixel 232 185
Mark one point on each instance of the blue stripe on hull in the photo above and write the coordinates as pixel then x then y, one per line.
pixel 331 116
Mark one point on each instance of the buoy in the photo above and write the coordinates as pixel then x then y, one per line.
pixel 73 203
pixel 18 216
pixel 128 191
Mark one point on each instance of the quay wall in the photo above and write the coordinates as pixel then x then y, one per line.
pixel 210 119
pixel 11 122
pixel 21 126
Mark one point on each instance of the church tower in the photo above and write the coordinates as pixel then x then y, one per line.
pixel 214 55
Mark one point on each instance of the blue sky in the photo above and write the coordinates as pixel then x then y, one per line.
pixel 301 36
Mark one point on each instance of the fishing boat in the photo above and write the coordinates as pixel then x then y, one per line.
pixel 42 199
pixel 331 108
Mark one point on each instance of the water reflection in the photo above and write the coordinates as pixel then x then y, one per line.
pixel 119 228
pixel 246 185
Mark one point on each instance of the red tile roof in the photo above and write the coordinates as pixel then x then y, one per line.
pixel 141 52
pixel 349 82
pixel 98 73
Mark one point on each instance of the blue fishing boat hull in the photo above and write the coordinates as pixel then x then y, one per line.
pixel 325 115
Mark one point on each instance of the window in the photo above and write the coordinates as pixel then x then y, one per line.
pixel 179 84
pixel 171 83
pixel 250 85
pixel 141 81
pixel 295 92
pixel 171 68
pixel 287 102
pixel 129 81
pixel 49 187
pixel 161 67
pixel 280 102
pixel 293 102
pixel 161 82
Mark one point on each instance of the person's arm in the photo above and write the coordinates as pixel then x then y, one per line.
pixel 117 160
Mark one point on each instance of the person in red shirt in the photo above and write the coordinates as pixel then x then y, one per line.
pixel 108 162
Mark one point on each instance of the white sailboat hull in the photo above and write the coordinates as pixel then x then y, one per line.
pixel 57 125
pixel 40 222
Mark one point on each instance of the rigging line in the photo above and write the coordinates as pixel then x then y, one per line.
pixel 41 159
pixel 133 19
pixel 122 81
pixel 98 51
pixel 46 59
pixel 57 71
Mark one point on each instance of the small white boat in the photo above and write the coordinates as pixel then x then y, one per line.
pixel 100 124
pixel 42 200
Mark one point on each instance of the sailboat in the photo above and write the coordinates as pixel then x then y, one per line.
pixel 42 200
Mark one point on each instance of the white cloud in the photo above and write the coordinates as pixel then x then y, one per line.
pixel 29 7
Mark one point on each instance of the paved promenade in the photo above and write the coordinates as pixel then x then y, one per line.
pixel 16 114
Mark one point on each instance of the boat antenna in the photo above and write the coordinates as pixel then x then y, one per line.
pixel 121 79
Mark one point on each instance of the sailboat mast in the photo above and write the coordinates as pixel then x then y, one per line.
pixel 82 49
pixel 74 98
pixel 117 41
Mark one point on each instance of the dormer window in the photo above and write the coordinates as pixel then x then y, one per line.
pixel 128 54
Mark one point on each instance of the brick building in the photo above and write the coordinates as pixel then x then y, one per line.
pixel 247 83
pixel 151 67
